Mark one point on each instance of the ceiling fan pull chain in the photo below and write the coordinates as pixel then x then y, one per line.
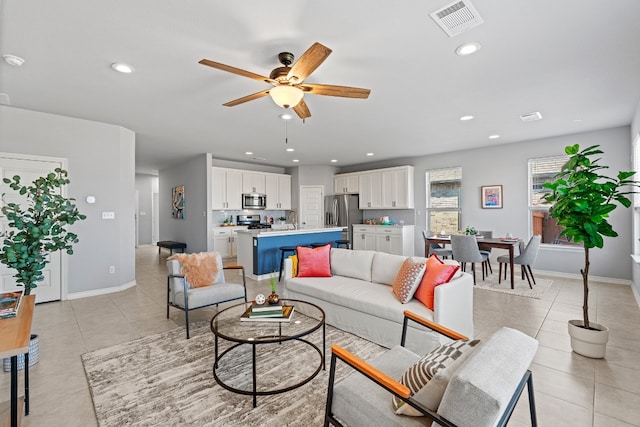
pixel 286 131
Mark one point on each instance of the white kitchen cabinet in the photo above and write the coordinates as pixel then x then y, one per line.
pixel 226 189
pixel 370 190
pixel 346 184
pixel 364 238
pixel 397 188
pixel 396 240
pixel 224 241
pixel 253 182
pixel 278 191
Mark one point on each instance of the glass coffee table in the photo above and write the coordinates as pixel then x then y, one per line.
pixel 253 341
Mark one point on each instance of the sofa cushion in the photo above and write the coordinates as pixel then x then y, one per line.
pixel 349 263
pixel 385 267
pixel 200 268
pixel 408 279
pixel 314 262
pixel 436 275
pixel 428 377
pixel 294 265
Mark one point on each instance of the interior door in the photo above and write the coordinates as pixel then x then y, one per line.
pixel 51 288
pixel 311 206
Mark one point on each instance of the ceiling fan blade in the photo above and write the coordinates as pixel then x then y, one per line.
pixel 332 90
pixel 247 98
pixel 234 70
pixel 302 110
pixel 308 62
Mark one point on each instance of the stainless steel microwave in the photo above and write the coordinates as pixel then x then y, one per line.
pixel 254 201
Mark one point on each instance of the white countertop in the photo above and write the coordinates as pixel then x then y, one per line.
pixel 265 232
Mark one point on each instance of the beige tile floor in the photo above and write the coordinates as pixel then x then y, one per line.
pixel 570 390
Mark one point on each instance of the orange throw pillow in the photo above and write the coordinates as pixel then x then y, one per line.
pixel 314 262
pixel 407 280
pixel 434 260
pixel 436 274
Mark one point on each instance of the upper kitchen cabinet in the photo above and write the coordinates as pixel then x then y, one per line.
pixel 253 182
pixel 397 188
pixel 226 189
pixel 370 190
pixel 390 188
pixel 278 190
pixel 346 183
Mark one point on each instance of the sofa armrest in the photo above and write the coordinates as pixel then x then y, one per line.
pixel 288 269
pixel 453 304
pixel 408 315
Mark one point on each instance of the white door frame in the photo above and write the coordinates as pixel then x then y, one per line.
pixel 64 272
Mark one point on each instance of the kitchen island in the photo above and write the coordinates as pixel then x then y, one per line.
pixel 259 253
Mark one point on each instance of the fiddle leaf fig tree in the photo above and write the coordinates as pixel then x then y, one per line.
pixel 37 226
pixel 583 200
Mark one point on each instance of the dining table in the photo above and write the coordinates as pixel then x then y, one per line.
pixel 483 244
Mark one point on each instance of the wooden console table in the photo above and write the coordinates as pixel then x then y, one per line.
pixel 15 333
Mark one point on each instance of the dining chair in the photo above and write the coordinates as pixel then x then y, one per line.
pixel 525 259
pixel 488 235
pixel 465 249
pixel 435 248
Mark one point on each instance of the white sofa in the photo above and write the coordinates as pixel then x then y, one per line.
pixel 358 298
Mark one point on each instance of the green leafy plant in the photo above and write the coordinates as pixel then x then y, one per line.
pixel 37 226
pixel 274 284
pixel 583 200
pixel 470 230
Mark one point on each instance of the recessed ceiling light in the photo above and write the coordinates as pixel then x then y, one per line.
pixel 295 160
pixel 466 118
pixel 494 136
pixel 467 49
pixel 531 117
pixel 122 68
pixel 370 154
pixel 290 149
pixel 13 60
pixel 333 160
pixel 248 153
pixel 286 116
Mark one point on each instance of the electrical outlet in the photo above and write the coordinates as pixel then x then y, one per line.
pixel 108 215
pixel 112 269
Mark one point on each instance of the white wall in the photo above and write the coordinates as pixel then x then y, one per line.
pixel 507 165
pixel 101 160
pixel 635 129
pixel 195 175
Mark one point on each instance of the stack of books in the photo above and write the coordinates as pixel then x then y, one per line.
pixel 268 313
pixel 9 304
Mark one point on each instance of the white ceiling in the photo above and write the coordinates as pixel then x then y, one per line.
pixel 575 61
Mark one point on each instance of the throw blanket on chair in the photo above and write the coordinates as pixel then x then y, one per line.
pixel 200 268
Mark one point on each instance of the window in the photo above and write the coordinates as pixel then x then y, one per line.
pixel 540 223
pixel 443 199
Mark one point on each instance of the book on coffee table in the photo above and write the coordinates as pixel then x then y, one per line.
pixel 268 316
pixel 256 308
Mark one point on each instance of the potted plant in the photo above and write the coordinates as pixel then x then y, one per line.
pixel 583 199
pixel 37 226
pixel 273 298
pixel 470 231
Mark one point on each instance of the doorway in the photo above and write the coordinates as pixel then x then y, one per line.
pixel 311 206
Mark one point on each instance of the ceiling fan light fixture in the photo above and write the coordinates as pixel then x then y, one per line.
pixel 286 96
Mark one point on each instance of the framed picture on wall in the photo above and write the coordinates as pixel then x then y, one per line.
pixel 491 196
pixel 177 202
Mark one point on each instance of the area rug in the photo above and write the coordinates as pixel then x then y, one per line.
pixel 520 287
pixel 167 380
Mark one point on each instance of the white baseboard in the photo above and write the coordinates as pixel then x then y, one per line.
pixel 579 277
pixel 103 291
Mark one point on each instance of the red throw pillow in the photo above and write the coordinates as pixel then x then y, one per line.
pixel 434 260
pixel 435 275
pixel 314 262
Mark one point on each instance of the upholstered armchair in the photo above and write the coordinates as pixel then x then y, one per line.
pixel 213 289
pixel 476 387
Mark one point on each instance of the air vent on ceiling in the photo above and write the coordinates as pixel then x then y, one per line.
pixel 4 99
pixel 457 17
pixel 531 117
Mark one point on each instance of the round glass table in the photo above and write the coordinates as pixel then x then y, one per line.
pixel 248 337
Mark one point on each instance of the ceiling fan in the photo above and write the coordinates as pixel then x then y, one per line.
pixel 288 81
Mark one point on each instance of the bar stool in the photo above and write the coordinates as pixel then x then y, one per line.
pixel 317 245
pixel 284 251
pixel 345 243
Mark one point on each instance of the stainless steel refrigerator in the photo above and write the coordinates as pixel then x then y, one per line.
pixel 341 210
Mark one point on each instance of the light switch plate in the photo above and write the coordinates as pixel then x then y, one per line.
pixel 108 215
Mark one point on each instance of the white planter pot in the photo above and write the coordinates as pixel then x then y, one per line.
pixel 588 342
pixel 34 355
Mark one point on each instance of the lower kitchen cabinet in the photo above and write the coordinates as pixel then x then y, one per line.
pixel 224 241
pixel 383 238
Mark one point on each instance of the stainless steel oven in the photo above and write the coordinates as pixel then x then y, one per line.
pixel 254 201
